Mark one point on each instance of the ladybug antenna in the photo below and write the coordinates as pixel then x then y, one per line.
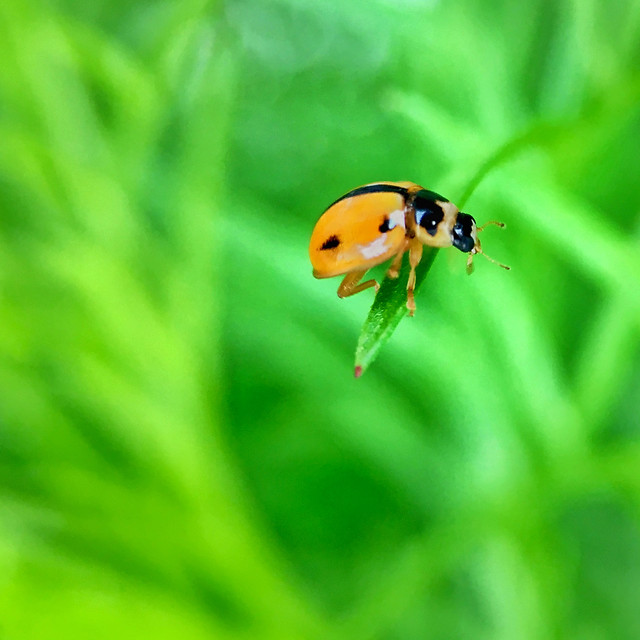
pixel 490 259
pixel 478 248
pixel 502 225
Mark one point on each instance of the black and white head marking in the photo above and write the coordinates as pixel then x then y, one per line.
pixel 463 234
pixel 428 211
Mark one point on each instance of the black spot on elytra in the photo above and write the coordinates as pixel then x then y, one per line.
pixel 384 227
pixel 330 243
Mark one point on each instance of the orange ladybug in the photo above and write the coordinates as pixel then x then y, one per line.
pixel 384 220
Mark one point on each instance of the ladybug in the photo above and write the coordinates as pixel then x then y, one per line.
pixel 384 220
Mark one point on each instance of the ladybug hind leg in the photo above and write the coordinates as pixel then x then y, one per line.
pixel 352 285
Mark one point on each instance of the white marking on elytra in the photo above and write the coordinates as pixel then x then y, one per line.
pixel 379 246
pixel 374 249
pixel 396 218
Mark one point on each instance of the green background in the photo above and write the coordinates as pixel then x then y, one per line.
pixel 184 452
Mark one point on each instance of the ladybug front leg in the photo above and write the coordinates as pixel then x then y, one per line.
pixel 349 286
pixel 415 255
pixel 394 268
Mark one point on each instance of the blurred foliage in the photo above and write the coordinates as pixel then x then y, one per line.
pixel 183 449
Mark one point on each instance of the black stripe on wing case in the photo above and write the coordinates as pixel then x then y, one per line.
pixel 372 188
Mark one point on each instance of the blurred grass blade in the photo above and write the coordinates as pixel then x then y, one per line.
pixel 389 307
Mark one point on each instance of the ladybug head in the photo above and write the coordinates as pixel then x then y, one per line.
pixel 464 234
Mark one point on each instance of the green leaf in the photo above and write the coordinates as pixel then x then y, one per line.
pixel 389 307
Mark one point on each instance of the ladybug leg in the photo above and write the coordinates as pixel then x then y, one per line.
pixel 415 255
pixel 394 268
pixel 470 264
pixel 349 286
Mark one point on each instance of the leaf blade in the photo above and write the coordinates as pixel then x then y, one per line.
pixel 389 307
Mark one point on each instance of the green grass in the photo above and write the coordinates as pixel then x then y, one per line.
pixel 387 310
pixel 183 449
